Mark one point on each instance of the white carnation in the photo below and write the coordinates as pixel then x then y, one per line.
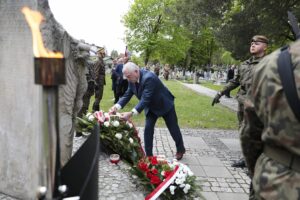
pixel 119 136
pixel 91 117
pixel 186 188
pixel 172 189
pixel 131 140
pixel 115 123
pixel 106 124
pixel 179 181
pixel 88 114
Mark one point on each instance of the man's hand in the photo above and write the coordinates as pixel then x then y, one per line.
pixel 113 110
pixel 216 99
pixel 126 115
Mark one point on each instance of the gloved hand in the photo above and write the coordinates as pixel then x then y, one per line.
pixel 216 98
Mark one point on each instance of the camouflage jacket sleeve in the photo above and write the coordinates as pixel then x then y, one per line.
pixel 233 83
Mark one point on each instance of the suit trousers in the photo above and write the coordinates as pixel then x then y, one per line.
pixel 171 121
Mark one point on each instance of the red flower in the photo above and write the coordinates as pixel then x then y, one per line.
pixel 167 173
pixel 154 171
pixel 149 175
pixel 143 166
pixel 155 180
pixel 154 160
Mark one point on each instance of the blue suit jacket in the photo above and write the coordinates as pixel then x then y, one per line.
pixel 151 92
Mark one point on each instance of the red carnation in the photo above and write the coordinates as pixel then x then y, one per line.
pixel 154 171
pixel 154 160
pixel 149 175
pixel 167 173
pixel 143 166
pixel 155 180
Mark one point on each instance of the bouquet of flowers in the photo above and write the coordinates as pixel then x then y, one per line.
pixel 117 135
pixel 164 179
pixel 169 180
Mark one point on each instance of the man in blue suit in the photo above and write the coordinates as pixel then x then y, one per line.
pixel 156 101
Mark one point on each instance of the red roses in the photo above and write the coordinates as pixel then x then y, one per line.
pixel 155 171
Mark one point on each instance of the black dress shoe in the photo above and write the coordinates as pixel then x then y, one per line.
pixel 179 155
pixel 239 164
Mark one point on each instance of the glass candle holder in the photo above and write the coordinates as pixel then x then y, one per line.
pixel 114 158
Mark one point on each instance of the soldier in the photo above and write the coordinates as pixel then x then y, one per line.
pixel 271 127
pixel 156 70
pixel 243 78
pixel 96 82
pixel 166 72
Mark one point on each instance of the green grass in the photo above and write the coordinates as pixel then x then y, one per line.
pixel 193 110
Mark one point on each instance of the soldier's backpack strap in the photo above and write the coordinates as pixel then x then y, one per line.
pixel 285 69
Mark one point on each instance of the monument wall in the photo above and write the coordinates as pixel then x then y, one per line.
pixel 21 100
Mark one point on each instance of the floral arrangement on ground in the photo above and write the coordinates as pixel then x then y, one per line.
pixel 163 178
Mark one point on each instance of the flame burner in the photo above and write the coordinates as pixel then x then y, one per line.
pixel 49 71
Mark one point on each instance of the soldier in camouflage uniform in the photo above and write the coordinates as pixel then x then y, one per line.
pixel 243 75
pixel 271 127
pixel 96 82
pixel 242 78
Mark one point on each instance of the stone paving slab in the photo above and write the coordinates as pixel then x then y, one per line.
pixel 232 144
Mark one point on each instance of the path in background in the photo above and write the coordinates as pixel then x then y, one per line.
pixel 228 102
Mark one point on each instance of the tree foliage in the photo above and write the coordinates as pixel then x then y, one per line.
pixel 247 18
pixel 193 33
pixel 153 33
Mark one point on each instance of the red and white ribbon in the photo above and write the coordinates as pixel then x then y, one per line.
pixel 164 185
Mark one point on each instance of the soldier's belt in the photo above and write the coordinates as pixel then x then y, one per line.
pixel 283 156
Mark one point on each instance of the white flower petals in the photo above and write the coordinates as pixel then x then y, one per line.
pixel 130 140
pixel 119 136
pixel 116 123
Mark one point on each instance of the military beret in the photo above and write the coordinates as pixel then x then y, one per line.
pixel 260 38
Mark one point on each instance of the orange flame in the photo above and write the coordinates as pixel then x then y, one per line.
pixel 34 19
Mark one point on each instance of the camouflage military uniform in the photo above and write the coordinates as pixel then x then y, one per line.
pixel 96 82
pixel 242 78
pixel 270 124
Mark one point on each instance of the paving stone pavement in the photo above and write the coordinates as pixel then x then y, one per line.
pixel 209 154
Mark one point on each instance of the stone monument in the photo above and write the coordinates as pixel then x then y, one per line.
pixel 21 99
